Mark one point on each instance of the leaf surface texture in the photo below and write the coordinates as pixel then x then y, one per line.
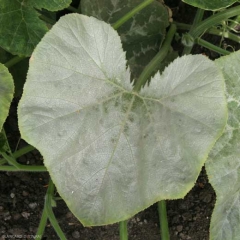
pixel 110 151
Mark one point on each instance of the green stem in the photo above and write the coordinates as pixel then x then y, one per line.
pixel 23 151
pixel 58 198
pixel 130 14
pixel 3 161
pixel 51 217
pixel 123 230
pixel 235 22
pixel 213 31
pixel 13 61
pixel 6 139
pixel 73 9
pixel 42 224
pixel 198 18
pixel 11 160
pixel 214 20
pixel 23 168
pixel 154 63
pixel 162 211
pixel 196 21
pixel 212 47
pixel 47 20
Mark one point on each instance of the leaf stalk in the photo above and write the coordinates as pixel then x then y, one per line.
pixel 162 211
pixel 123 230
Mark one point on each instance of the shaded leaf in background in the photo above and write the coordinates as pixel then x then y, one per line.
pixel 19 74
pixel 20 28
pixel 4 56
pixel 18 71
pixel 6 93
pixel 210 5
pixel 141 35
pixel 223 164
pixel 117 151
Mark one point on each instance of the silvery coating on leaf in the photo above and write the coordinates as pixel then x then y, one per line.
pixel 112 152
pixel 210 5
pixel 6 93
pixel 223 164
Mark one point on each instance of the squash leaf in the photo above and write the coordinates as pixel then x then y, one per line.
pixel 223 165
pixel 141 35
pixel 6 93
pixel 20 28
pixel 210 5
pixel 110 151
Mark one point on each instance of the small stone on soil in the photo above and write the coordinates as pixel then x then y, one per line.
pixel 25 193
pixel 76 234
pixel 25 215
pixel 179 228
pixel 32 205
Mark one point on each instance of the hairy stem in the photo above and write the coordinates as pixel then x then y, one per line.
pixel 196 21
pixel 214 20
pixel 213 31
pixel 212 47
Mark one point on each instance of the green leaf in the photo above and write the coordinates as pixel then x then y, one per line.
pixel 20 28
pixel 223 165
pixel 6 93
pixel 210 5
pixel 112 152
pixel 141 36
pixel 19 73
pixel 51 5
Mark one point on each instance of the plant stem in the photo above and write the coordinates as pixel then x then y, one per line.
pixel 7 143
pixel 154 63
pixel 214 20
pixel 11 160
pixel 235 22
pixel 2 161
pixel 196 21
pixel 213 31
pixel 73 9
pixel 198 17
pixel 47 19
pixel 42 224
pixel 23 168
pixel 51 217
pixel 127 16
pixel 14 61
pixel 212 47
pixel 23 151
pixel 123 230
pixel 162 211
